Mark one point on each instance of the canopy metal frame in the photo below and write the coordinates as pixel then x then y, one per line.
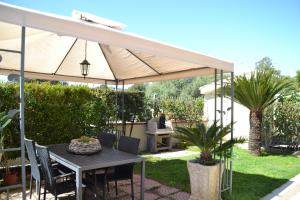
pixel 225 183
pixel 224 186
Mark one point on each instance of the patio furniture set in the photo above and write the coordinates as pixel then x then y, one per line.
pixel 79 172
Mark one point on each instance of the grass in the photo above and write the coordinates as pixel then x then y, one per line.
pixel 253 177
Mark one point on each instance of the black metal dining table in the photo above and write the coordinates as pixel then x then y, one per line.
pixel 108 157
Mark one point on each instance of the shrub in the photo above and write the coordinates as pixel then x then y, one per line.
pixel 190 110
pixel 59 113
pixel 282 124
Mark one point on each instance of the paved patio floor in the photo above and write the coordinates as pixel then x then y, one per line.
pixel 153 191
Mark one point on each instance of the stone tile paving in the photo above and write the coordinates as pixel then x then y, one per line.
pixel 153 191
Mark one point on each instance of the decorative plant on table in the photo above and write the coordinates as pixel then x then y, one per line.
pixel 85 145
pixel 204 171
pixel 5 119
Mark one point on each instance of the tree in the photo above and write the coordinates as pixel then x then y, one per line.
pixel 138 87
pixel 183 88
pixel 298 78
pixel 16 78
pixel 256 93
pixel 266 64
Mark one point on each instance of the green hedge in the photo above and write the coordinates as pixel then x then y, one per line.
pixel 59 113
pixel 282 123
pixel 134 105
pixel 184 109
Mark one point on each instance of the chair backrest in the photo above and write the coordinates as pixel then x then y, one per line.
pixel 129 144
pixel 107 139
pixel 46 167
pixel 31 152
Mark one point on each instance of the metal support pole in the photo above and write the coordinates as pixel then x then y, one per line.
pixel 117 106
pixel 215 116
pixel 22 120
pixel 232 123
pixel 123 110
pixel 221 124
pixel 142 179
pixel 215 106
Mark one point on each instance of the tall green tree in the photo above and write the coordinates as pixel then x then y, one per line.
pixel 266 64
pixel 183 88
pixel 257 92
pixel 298 78
pixel 141 87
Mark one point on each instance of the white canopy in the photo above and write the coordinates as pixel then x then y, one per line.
pixel 55 47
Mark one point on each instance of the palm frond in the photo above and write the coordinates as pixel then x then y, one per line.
pixel 228 145
pixel 207 139
pixel 260 89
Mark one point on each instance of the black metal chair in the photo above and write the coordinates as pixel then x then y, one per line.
pixel 125 172
pixel 35 167
pixel 56 185
pixel 107 139
pixel 35 171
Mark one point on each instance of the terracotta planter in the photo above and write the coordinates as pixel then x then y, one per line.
pixel 204 180
pixel 10 179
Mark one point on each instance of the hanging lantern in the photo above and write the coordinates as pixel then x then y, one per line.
pixel 85 65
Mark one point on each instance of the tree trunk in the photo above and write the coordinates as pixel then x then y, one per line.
pixel 255 132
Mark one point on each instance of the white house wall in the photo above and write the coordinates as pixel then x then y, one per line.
pixel 241 115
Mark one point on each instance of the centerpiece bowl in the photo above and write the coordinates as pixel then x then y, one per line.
pixel 84 146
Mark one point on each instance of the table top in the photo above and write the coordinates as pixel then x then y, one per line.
pixel 106 158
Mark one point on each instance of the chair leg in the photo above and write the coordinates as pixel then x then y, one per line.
pixel 83 193
pixel 107 186
pixel 116 186
pixel 104 189
pixel 40 188
pixel 44 192
pixel 132 190
pixel 38 183
pixel 31 185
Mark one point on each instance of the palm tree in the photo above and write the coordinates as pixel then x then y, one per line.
pixel 257 92
pixel 207 139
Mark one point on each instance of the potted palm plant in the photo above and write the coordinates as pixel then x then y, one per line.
pixel 5 119
pixel 204 171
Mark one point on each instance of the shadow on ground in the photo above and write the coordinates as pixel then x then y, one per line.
pixel 245 186
pixel 252 186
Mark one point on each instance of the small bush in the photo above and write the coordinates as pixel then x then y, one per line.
pixel 282 124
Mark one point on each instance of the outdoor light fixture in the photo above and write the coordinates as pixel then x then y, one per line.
pixel 0 58
pixel 84 65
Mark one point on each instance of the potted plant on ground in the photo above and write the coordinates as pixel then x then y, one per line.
pixel 204 171
pixel 10 177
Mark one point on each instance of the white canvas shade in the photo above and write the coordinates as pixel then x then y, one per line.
pixel 55 47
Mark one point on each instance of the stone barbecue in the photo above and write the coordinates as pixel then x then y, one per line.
pixel 158 139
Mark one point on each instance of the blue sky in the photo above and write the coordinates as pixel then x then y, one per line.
pixel 239 31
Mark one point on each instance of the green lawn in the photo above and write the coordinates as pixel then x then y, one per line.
pixel 253 177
